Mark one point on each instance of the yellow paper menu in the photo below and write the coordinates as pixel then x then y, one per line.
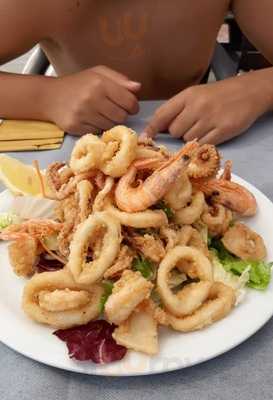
pixel 18 135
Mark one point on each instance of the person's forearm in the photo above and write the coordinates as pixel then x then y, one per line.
pixel 261 83
pixel 25 96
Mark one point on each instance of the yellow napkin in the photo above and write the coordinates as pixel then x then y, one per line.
pixel 29 135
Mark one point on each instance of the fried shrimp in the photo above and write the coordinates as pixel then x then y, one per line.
pixel 141 219
pixel 87 154
pixel 129 291
pixel 205 162
pixel 226 174
pixel 191 296
pixel 55 299
pixel 154 188
pixel 244 242
pixel 116 164
pixel 37 228
pixel 219 303
pixel 24 255
pixel 89 272
pixel 230 194
pixel 179 193
pixel 192 212
pixel 217 218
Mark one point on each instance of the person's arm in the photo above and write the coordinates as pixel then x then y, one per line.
pixel 20 29
pixel 88 101
pixel 219 111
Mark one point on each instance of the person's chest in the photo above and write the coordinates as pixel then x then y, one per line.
pixel 165 45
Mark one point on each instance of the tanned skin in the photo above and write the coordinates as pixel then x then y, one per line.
pixel 109 55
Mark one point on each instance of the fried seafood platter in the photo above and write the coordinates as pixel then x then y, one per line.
pixel 128 238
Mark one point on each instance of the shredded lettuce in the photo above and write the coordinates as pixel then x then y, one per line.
pixel 259 271
pixel 108 288
pixel 238 283
pixel 144 266
pixel 7 219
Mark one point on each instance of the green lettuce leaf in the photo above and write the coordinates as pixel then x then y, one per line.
pixel 108 288
pixel 144 266
pixel 161 205
pixel 259 271
pixel 7 219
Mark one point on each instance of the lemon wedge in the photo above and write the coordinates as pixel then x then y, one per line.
pixel 19 178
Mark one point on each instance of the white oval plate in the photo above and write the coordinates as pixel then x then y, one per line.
pixel 177 350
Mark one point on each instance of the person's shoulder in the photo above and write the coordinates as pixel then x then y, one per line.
pixel 43 15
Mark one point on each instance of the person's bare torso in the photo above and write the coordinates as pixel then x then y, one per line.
pixel 165 45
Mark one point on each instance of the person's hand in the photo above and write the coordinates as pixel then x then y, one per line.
pixel 92 100
pixel 212 113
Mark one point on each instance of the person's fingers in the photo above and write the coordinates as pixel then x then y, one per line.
pixel 133 86
pixel 212 137
pixel 122 97
pixel 83 129
pixel 90 128
pixel 198 130
pixel 112 112
pixel 182 123
pixel 110 73
pixel 118 77
pixel 162 118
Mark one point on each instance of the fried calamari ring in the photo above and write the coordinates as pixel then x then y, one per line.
pixel 118 162
pixel 179 193
pixel 55 299
pixel 100 198
pixel 141 219
pixel 191 213
pixel 191 296
pixel 84 192
pixel 89 272
pixel 217 218
pixel 205 162
pixel 244 242
pixel 189 236
pixel 220 301
pixel 64 299
pixel 87 154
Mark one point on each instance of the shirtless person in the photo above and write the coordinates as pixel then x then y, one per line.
pixel 110 54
